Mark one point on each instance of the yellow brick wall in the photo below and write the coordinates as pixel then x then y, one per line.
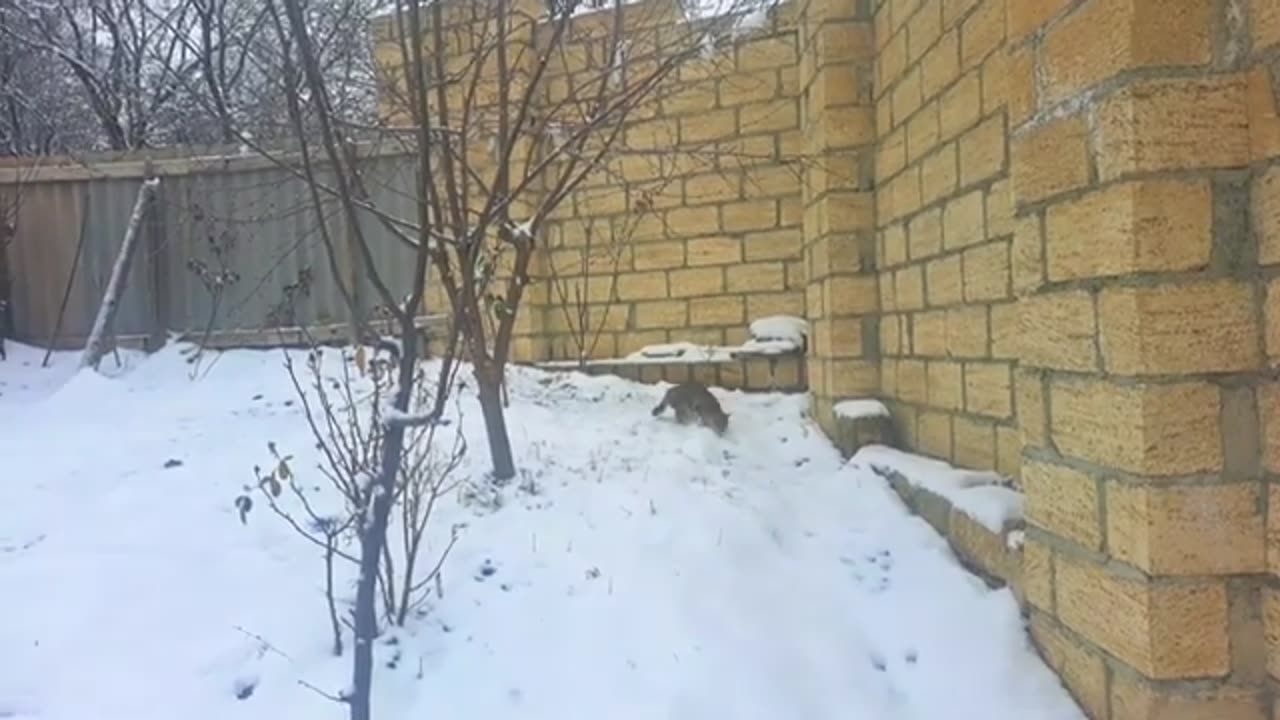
pixel 694 228
pixel 1047 233
pixel 1143 137
pixel 945 229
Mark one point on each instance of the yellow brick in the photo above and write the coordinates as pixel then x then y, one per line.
pixel 756 277
pixel 995 82
pixel 712 188
pixel 1058 331
pixel 848 212
pixel 697 281
pixel 854 377
pixel 982 151
pixel 891 60
pixel 835 85
pixel 691 222
pixel 967 333
pixel 890 337
pixel 1148 226
pixel 1063 502
pixel 975 443
pixel 988 389
pixel 924 27
pixel 658 255
pixel 943 281
pixel 963 221
pixel 1023 18
pixel 1000 209
pixel 925 234
pixel 771 245
pixel 933 433
pixel 1163 631
pixel 893 248
pixel 1005 326
pixel 929 334
pixel 642 286
pixel 891 154
pixel 784 303
pixel 1266 213
pixel 768 116
pixel 742 88
pixel 941 65
pixel 771 52
pixel 946 389
pixel 939 174
pixel 912 383
pixel 844 127
pixel 1207 326
pixel 727 310
pixel 982 32
pixel 1105 37
pixel 1271 319
pixel 704 127
pixel 986 272
pixel 754 215
pixel 1008 452
pixel 1033 423
pixel 1082 669
pixel 1150 429
pixel 907 95
pixel 1020 85
pixel 1037 575
pixel 1209 530
pixel 630 342
pixel 851 295
pixel 961 105
pixel 1269 412
pixel 922 132
pixel 1027 254
pixel 1049 160
pixel 691 97
pixel 909 288
pixel 662 314
pixel 773 180
pixel 713 251
pixel 1135 698
pixel 1174 125
pixel 1266 26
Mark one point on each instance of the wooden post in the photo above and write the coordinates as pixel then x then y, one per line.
pixel 96 345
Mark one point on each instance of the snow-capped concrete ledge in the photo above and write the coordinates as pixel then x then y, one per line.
pixel 978 512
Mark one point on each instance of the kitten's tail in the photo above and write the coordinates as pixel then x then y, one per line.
pixel 661 406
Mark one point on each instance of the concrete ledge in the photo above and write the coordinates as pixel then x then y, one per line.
pixel 782 373
pixel 994 556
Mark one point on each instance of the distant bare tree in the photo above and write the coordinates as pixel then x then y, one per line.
pixel 79 75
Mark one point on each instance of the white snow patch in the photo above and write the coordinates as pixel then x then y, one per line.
pixel 657 571
pixel 786 328
pixel 856 409
pixel 683 351
pixel 1016 540
pixel 982 495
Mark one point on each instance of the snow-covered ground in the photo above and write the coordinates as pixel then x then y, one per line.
pixel 657 572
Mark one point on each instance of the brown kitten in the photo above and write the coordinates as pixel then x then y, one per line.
pixel 693 401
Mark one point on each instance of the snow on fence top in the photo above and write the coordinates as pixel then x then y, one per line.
pixel 780 328
pixel 855 409
pixel 982 495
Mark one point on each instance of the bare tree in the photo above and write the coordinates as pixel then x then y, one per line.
pixel 525 102
pixel 78 75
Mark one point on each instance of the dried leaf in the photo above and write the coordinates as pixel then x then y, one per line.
pixel 244 504
pixel 362 360
pixel 283 470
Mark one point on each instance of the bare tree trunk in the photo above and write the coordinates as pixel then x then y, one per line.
pixel 95 347
pixel 373 534
pixel 495 423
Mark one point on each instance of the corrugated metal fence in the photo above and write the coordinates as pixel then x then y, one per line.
pixel 254 215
